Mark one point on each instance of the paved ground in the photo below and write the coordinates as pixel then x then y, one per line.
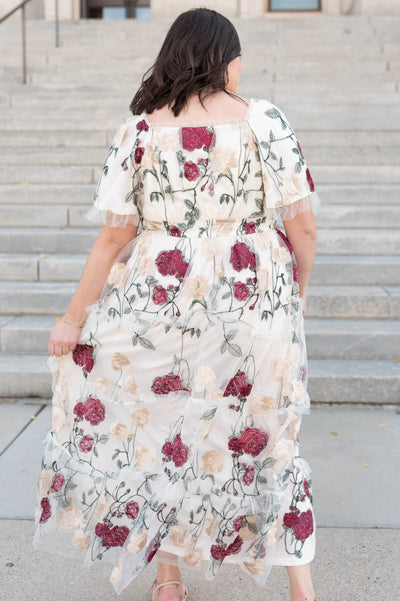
pixel 354 455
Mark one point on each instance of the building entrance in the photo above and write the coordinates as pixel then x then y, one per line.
pixel 114 9
pixel 294 5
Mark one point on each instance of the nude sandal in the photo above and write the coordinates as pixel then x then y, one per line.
pixel 184 590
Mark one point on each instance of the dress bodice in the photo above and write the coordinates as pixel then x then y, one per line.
pixel 197 180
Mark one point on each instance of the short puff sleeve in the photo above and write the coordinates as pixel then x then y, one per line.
pixel 115 199
pixel 288 185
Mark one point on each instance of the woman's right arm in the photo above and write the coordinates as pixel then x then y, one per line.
pixel 301 232
pixel 105 250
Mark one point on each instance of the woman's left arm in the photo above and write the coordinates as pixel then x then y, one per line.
pixel 301 232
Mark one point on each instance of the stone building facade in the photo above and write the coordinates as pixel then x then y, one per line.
pixel 71 9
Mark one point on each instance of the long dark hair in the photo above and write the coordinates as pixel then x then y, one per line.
pixel 193 59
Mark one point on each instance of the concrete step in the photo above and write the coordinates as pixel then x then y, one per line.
pixel 80 240
pixel 353 216
pixel 373 302
pixel 86 174
pixel 68 156
pixel 55 139
pixel 35 297
pixel 380 241
pixel 327 270
pixel 344 381
pixel 326 338
pixel 42 174
pixel 43 240
pixel 351 194
pixel 350 339
pixel 330 381
pixel 348 270
pixel 30 267
pixel 64 194
pixel 84 155
pixel 68 194
pixel 44 99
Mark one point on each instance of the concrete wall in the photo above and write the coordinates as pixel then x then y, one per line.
pixel 172 8
pixel 376 7
pixel 70 9
pixel 34 9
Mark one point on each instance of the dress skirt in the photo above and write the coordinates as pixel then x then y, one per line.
pixel 175 421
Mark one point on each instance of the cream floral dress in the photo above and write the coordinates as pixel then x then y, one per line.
pixel 175 421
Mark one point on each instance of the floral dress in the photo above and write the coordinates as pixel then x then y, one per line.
pixel 175 420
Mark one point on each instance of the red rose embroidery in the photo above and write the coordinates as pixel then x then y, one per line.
pixel 248 476
pixel 124 164
pixel 191 171
pixel 305 484
pixel 175 231
pixel 94 411
pixel 238 523
pixel 46 510
pixel 160 295
pixel 240 291
pixel 304 525
pixel 86 443
pixel 166 384
pixel 300 523
pixel 132 510
pixel 310 180
pixel 83 355
pixel 171 262
pixel 290 519
pixel 197 137
pixel 238 385
pixel 142 126
pixel 152 549
pixel 79 410
pixel 295 273
pixel 242 257
pixel 139 152
pixel 299 147
pixel 176 450
pixel 250 227
pixel 58 483
pixel 111 537
pixel 234 445
pixel 235 546
pixel 220 551
pixel 253 441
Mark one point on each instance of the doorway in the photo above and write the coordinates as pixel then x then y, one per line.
pixel 300 5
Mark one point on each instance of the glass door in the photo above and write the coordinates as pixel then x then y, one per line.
pixel 294 5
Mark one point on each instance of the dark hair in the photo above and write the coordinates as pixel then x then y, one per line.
pixel 193 59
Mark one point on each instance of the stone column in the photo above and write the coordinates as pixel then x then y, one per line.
pixel 252 8
pixel 67 9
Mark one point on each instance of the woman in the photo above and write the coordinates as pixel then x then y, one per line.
pixel 180 368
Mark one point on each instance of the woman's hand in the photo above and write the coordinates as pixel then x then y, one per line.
pixel 63 338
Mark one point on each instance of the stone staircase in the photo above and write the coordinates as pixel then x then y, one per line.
pixel 337 81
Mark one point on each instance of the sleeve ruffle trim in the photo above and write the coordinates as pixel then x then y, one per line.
pixel 311 202
pixel 107 217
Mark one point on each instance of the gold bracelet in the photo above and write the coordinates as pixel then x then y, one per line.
pixel 71 324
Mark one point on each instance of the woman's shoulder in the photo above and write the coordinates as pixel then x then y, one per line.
pixel 267 109
pixel 129 128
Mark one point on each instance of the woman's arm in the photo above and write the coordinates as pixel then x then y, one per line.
pixel 105 250
pixel 302 234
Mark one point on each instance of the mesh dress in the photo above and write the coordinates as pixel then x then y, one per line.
pixel 175 421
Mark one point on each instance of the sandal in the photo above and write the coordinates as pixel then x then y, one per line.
pixel 183 593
